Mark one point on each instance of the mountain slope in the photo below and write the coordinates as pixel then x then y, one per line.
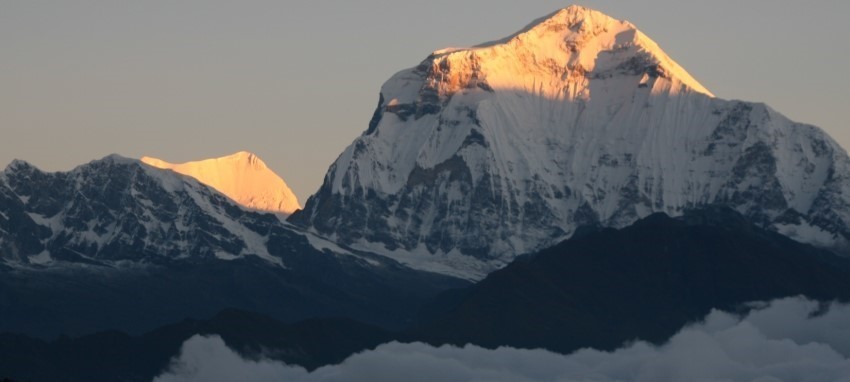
pixel 645 281
pixel 117 244
pixel 243 177
pixel 478 155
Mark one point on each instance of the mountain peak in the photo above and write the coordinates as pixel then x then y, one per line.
pixel 246 158
pixel 576 17
pixel 579 119
pixel 17 164
pixel 117 158
pixel 242 176
pixel 576 43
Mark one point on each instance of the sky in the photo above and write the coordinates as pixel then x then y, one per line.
pixel 295 82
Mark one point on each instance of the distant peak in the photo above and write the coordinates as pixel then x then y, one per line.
pixel 240 157
pixel 113 159
pixel 242 176
pixel 117 158
pixel 18 164
pixel 246 157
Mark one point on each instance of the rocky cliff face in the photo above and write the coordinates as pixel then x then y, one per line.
pixel 478 155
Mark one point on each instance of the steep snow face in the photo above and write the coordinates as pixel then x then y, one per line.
pixel 243 177
pixel 478 155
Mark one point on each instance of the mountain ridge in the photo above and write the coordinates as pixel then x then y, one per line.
pixel 117 244
pixel 117 202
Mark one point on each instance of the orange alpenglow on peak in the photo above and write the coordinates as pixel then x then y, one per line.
pixel 243 177
pixel 557 56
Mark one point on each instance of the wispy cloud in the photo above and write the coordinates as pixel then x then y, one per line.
pixel 786 340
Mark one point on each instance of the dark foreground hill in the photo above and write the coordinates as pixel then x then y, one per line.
pixel 114 356
pixel 642 282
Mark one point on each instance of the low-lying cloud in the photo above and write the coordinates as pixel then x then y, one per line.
pixel 786 340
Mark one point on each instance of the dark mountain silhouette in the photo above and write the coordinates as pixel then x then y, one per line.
pixel 644 282
pixel 113 356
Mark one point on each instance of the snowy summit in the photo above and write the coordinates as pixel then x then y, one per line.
pixel 243 177
pixel 478 155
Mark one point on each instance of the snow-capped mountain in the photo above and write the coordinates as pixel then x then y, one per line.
pixel 243 177
pixel 118 244
pixel 478 155
pixel 117 209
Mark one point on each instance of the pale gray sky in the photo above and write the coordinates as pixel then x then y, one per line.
pixel 296 81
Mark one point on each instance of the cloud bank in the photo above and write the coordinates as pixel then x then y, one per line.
pixel 786 340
